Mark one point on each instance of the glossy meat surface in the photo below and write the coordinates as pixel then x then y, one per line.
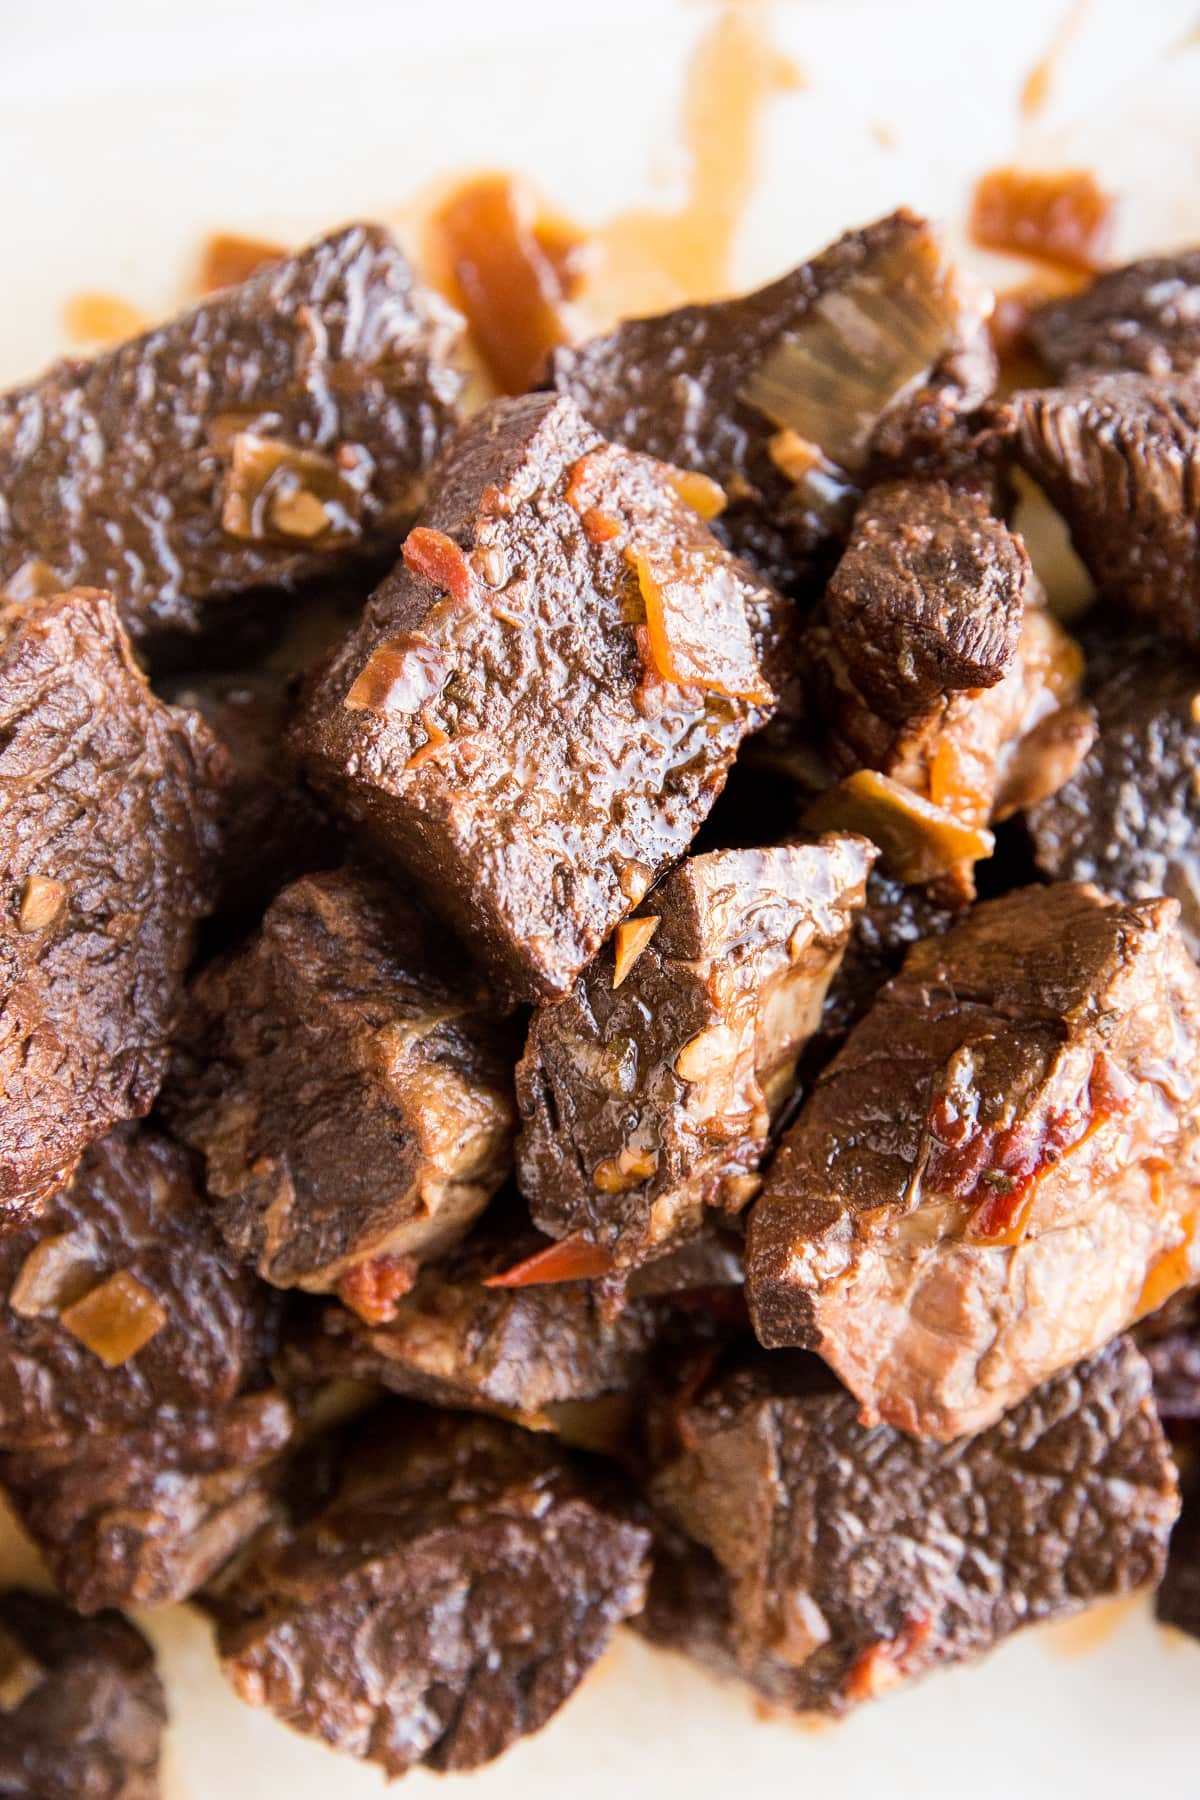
pixel 246 444
pixel 109 805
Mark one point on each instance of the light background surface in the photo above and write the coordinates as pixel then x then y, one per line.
pixel 129 130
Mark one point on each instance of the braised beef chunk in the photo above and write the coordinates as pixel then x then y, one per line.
pixel 541 704
pixel 81 1705
pixel 145 1516
pixel 453 1341
pixel 445 1602
pixel 350 1087
pixel 778 394
pixel 935 665
pixel 275 828
pixel 649 1094
pixel 831 1561
pixel 1000 1169
pixel 245 444
pixel 929 595
pixel 122 1301
pixel 108 834
pixel 1116 455
pixel 1145 316
pixel 1129 818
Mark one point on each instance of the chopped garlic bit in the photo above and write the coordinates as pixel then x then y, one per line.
pixel 115 1320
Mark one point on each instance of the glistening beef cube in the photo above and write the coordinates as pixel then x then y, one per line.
pixel 825 1562
pixel 935 664
pixel 246 444
pixel 1145 316
pixel 350 1086
pixel 542 703
pixel 81 1705
pixel 122 1301
pixel 778 394
pixel 1129 818
pixel 649 1093
pixel 145 1516
pixel 447 1600
pixel 1000 1169
pixel 1117 456
pixel 108 843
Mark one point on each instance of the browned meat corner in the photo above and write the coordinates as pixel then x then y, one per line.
pixel 108 834
pixel 350 1086
pixel 935 663
pixel 1143 317
pixel 146 1515
pixel 275 827
pixel 247 444
pixel 783 396
pixel 1129 818
pixel 1116 455
pixel 1000 1169
pixel 121 1302
pixel 445 1602
pixel 519 1352
pixel 542 703
pixel 825 1562
pixel 649 1094
pixel 83 1707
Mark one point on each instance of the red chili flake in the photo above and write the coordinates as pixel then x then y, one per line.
pixel 886 1664
pixel 573 1258
pixel 439 559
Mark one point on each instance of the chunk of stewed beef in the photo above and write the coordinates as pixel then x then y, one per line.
pixel 1144 317
pixel 1116 455
pixel 108 842
pixel 81 1705
pixel 1129 817
pixel 935 665
pixel 1000 1169
pixel 542 703
pixel 649 1094
pixel 825 1561
pixel 891 920
pixel 444 1602
pixel 783 395
pixel 146 1515
pixel 249 443
pixel 350 1085
pixel 121 1301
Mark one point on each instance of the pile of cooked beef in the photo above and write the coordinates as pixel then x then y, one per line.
pixel 462 1187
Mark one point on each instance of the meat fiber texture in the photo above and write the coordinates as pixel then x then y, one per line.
pixel 501 725
pixel 649 1094
pixel 109 805
pixel 349 1082
pixel 825 1561
pixel 999 1170
pixel 248 444
pixel 447 1599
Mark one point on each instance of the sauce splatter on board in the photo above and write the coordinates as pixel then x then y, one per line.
pixel 1039 83
pixel 99 319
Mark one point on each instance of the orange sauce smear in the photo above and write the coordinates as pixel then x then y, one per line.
pixel 1039 83
pixel 98 318
pixel 1061 217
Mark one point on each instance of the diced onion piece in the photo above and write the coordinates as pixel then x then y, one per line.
pixel 859 348
pixel 573 1258
pixel 20 1673
pixel 57 1270
pixel 42 903
pixel 705 496
pixel 276 491
pixel 696 624
pixel 1063 215
pixel 628 1169
pixel 227 259
pixel 116 1320
pixel 33 580
pixel 918 841
pixel 631 938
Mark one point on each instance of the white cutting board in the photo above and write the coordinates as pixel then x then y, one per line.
pixel 129 130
